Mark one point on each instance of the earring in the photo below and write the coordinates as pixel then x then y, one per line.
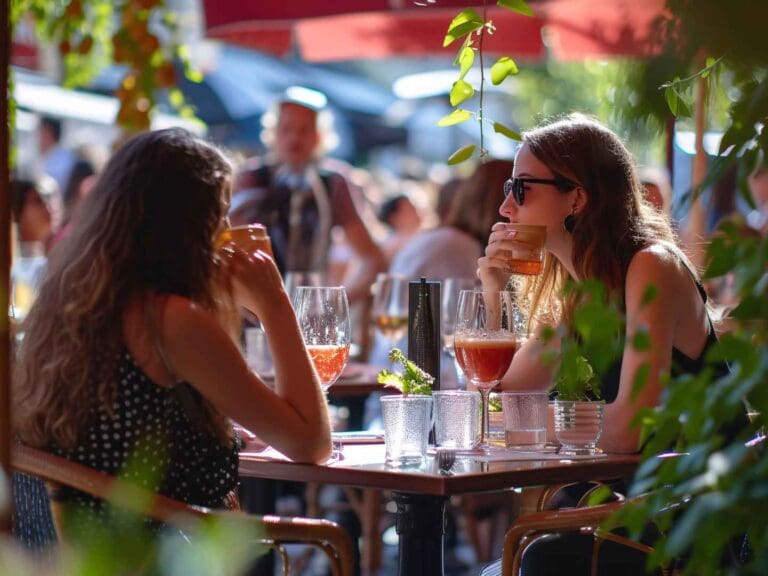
pixel 569 223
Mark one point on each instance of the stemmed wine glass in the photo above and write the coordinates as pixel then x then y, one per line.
pixel 389 311
pixel 323 314
pixel 449 298
pixel 486 338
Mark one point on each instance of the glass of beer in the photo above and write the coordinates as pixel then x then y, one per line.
pixel 323 314
pixel 528 258
pixel 486 338
pixel 249 238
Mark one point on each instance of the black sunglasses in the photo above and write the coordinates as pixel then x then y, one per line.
pixel 517 186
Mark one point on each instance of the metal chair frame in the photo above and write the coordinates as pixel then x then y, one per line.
pixel 271 531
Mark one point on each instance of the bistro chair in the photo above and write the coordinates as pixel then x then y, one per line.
pixel 585 519
pixel 271 531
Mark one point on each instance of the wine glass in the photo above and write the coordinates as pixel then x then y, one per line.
pixel 486 338
pixel 293 279
pixel 323 314
pixel 449 299
pixel 390 306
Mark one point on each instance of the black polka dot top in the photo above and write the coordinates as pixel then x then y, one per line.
pixel 151 439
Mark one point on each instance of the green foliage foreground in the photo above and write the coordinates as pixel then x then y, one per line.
pixel 717 491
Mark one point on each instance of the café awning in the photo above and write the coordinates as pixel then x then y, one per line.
pixel 364 29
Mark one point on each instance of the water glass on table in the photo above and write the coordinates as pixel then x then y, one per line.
pixel 457 418
pixel 407 422
pixel 525 419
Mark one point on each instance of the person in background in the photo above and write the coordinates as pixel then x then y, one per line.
pixel 32 213
pixel 129 351
pixel 403 219
pixel 31 210
pixel 577 178
pixel 55 160
pixel 300 203
pixel 81 180
pixel 452 249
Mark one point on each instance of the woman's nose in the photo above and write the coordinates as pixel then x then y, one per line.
pixel 508 208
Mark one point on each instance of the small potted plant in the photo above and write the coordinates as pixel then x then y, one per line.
pixel 408 416
pixel 578 406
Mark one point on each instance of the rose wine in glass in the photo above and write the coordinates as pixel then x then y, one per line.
pixel 323 314
pixel 486 339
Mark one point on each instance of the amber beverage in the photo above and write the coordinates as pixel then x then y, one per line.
pixel 248 238
pixel 392 327
pixel 529 258
pixel 329 361
pixel 485 361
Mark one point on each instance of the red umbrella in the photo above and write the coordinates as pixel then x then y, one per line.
pixel 355 29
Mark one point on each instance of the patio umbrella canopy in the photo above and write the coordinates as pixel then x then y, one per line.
pixel 358 29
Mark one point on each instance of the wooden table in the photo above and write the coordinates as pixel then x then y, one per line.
pixel 421 493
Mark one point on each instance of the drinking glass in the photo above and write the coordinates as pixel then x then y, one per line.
pixel 486 339
pixel 528 257
pixel 294 279
pixel 390 306
pixel 449 298
pixel 323 314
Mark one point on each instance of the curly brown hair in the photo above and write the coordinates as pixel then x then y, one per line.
pixel 147 226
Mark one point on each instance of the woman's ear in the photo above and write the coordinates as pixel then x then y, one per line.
pixel 580 200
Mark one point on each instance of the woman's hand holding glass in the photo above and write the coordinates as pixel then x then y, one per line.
pixel 253 278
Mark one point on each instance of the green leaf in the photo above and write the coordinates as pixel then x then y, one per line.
pixel 461 155
pixel 519 6
pixel 194 76
pixel 465 22
pixel 599 495
pixel 456 117
pixel 673 100
pixel 499 128
pixel 641 377
pixel 649 295
pixel 390 379
pixel 460 92
pixel 176 97
pixel 641 340
pixel 502 68
pixel 466 59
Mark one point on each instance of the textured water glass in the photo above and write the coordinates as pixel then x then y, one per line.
pixel 578 426
pixel 407 422
pixel 525 419
pixel 457 418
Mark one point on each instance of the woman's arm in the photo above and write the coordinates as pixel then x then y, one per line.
pixel 657 267
pixel 293 418
pixel 528 371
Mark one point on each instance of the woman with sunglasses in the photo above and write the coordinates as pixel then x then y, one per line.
pixel 577 178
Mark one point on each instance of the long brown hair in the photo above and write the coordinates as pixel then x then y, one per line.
pixel 147 226
pixel 475 205
pixel 615 223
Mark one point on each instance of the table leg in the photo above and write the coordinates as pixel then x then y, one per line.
pixel 420 526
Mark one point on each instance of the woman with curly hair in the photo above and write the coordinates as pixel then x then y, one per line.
pixel 129 363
